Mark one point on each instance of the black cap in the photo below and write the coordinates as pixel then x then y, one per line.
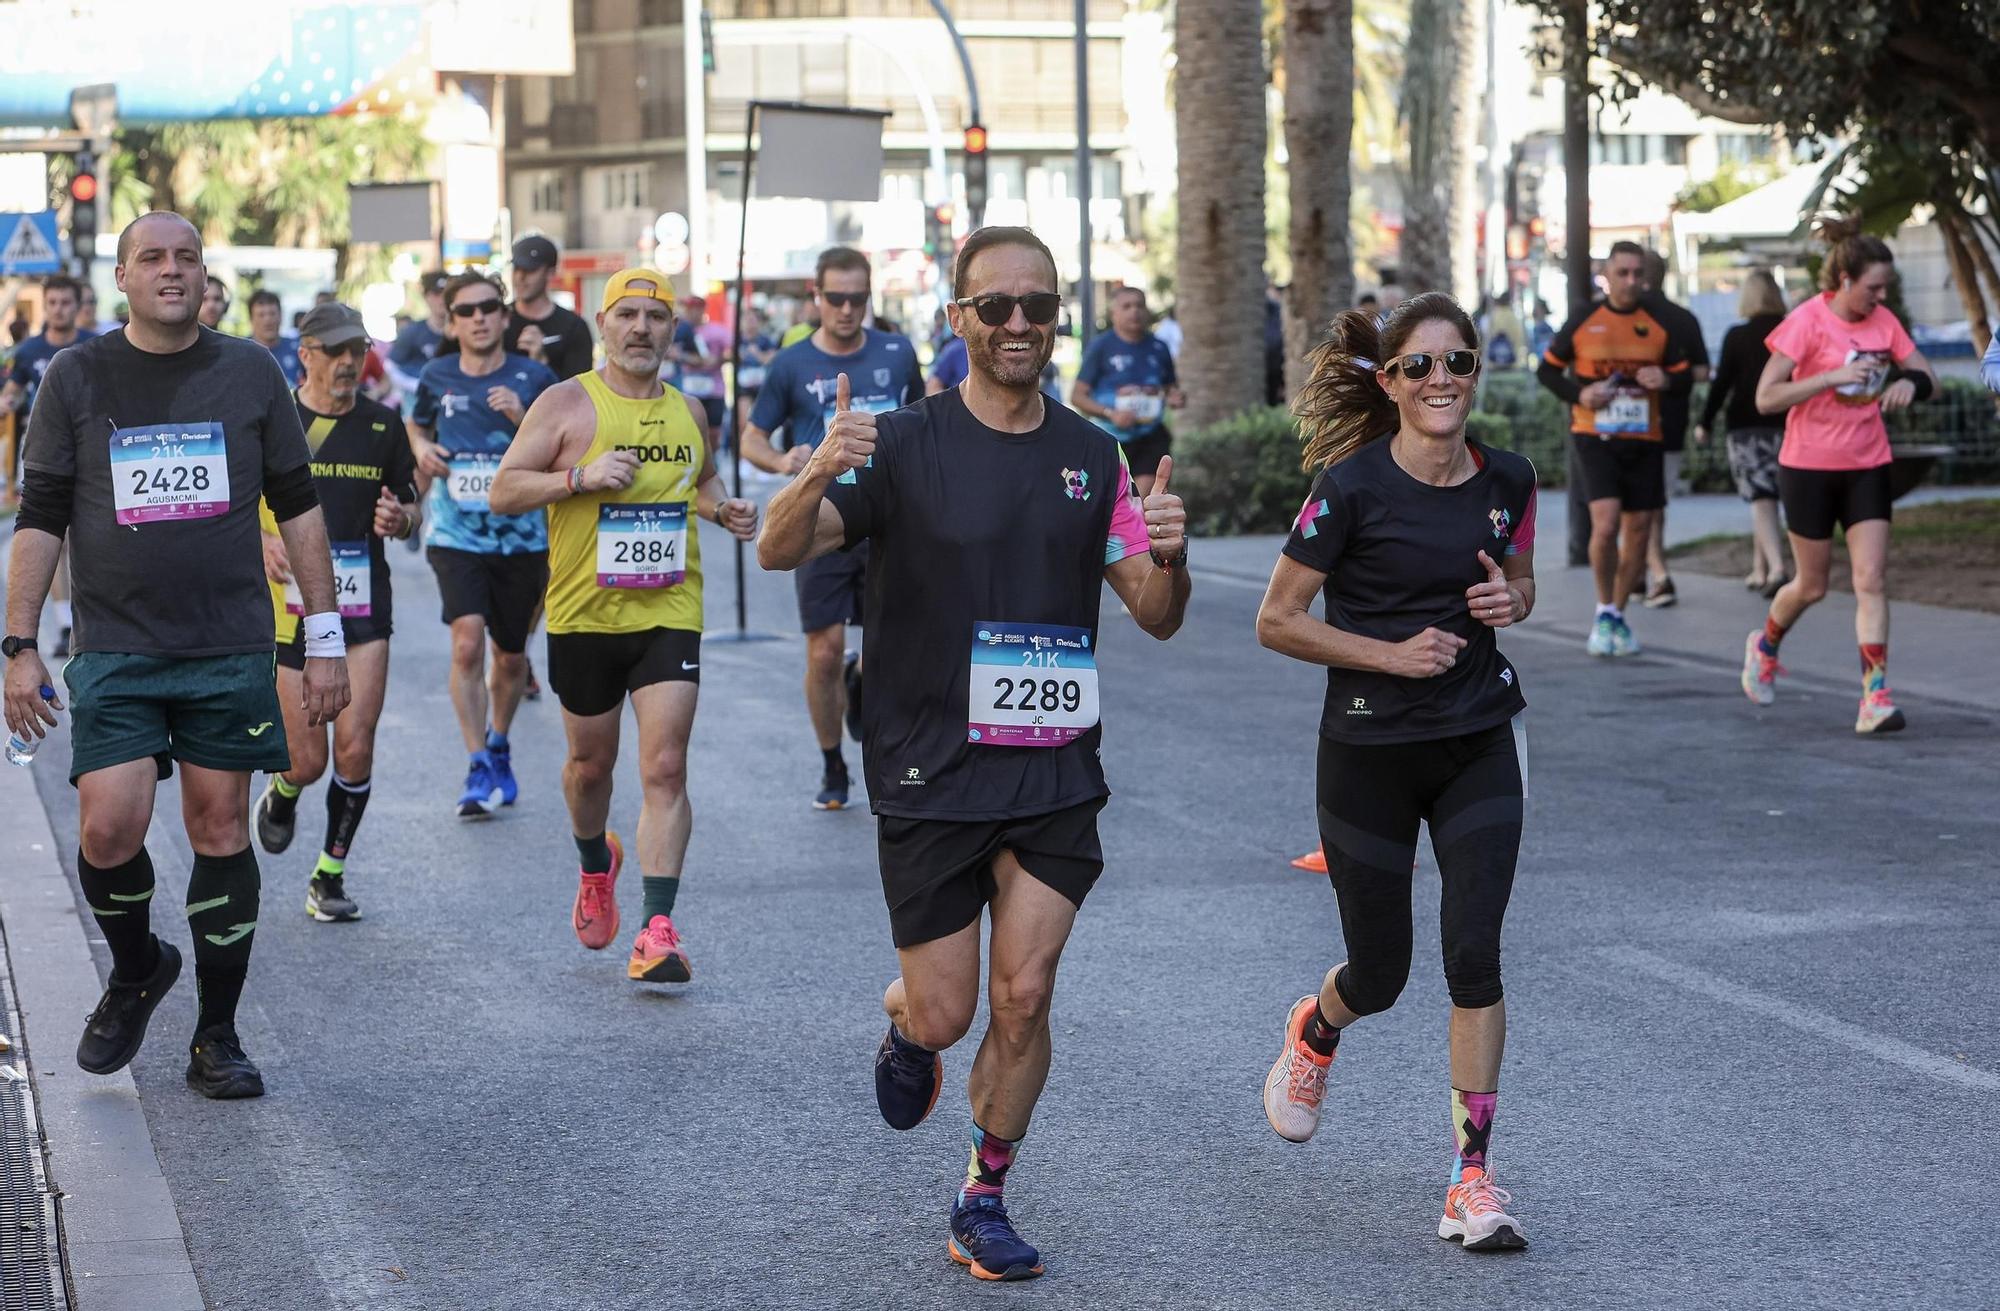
pixel 333 324
pixel 531 253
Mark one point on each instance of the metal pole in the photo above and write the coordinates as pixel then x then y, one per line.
pixel 694 131
pixel 964 60
pixel 1086 291
pixel 1576 222
pixel 736 357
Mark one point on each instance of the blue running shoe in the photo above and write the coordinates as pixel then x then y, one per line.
pixel 983 1241
pixel 503 774
pixel 832 790
pixel 907 1080
pixel 482 789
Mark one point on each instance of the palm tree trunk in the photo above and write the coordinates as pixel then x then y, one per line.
pixel 1219 119
pixel 1319 125
pixel 1442 93
pixel 1965 276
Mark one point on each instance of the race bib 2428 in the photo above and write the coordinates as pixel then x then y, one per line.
pixel 167 471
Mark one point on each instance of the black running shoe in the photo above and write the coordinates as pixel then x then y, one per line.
pixel 850 675
pixel 983 1241
pixel 907 1081
pixel 277 822
pixel 832 790
pixel 112 1034
pixel 327 900
pixel 217 1067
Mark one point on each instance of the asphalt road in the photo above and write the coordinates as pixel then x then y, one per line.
pixel 1749 964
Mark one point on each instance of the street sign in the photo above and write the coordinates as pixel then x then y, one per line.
pixel 671 229
pixel 28 243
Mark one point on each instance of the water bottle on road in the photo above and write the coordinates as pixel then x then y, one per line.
pixel 21 750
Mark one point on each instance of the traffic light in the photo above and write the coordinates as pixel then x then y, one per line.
pixel 83 209
pixel 937 231
pixel 975 173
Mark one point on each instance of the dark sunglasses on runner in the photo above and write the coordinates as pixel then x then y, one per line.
pixel 846 300
pixel 1417 365
pixel 357 348
pixel 466 310
pixel 995 310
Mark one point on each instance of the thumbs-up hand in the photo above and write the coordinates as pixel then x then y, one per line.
pixel 391 519
pixel 1166 517
pixel 1494 602
pixel 850 438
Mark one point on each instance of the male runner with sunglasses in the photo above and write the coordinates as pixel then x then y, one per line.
pixel 997 516
pixel 491 568
pixel 798 395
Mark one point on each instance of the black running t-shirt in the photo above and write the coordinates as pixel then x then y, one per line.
pixel 1399 555
pixel 987 559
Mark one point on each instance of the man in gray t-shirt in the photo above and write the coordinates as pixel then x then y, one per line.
pixel 150 450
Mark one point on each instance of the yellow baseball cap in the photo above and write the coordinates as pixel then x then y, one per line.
pixel 645 283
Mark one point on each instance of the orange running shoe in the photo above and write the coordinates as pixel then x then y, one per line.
pixel 657 954
pixel 595 915
pixel 1297 1082
pixel 1475 1214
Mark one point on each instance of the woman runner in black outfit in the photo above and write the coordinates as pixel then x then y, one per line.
pixel 1753 437
pixel 1422 541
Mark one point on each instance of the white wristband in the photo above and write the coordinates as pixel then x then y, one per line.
pixel 324 638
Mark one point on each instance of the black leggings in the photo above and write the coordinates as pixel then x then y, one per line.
pixel 1370 800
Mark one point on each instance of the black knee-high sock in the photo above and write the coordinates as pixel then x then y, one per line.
pixel 344 803
pixel 121 897
pixel 222 915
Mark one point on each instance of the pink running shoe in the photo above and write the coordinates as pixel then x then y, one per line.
pixel 1760 672
pixel 1475 1214
pixel 595 916
pixel 657 955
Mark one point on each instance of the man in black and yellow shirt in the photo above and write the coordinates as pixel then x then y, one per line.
pixel 366 477
pixel 1612 363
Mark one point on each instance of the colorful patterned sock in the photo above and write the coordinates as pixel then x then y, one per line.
pixel 1472 1119
pixel 986 1172
pixel 660 894
pixel 1774 633
pixel 1874 667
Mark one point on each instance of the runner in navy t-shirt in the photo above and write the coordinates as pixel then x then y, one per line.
pixel 1127 383
pixel 1422 542
pixel 996 517
pixel 883 374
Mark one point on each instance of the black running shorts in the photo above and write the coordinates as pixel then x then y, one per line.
pixel 504 590
pixel 830 589
pixel 1622 469
pixel 1817 499
pixel 937 874
pixel 1142 454
pixel 592 672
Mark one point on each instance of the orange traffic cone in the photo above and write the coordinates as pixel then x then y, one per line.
pixel 1313 862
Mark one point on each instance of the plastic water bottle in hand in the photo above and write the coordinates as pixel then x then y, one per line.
pixel 21 750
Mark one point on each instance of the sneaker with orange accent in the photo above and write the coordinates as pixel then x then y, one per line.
pixel 1297 1082
pixel 1760 671
pixel 1878 714
pixel 657 954
pixel 1475 1214
pixel 595 915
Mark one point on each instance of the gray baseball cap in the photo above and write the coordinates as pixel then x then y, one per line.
pixel 333 324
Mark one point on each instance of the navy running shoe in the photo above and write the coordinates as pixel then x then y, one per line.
pixel 832 790
pixel 983 1241
pixel 482 789
pixel 907 1081
pixel 503 774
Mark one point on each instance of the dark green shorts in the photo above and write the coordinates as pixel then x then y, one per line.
pixel 218 712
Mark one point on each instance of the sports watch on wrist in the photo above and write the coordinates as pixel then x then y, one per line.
pixel 11 646
pixel 1178 562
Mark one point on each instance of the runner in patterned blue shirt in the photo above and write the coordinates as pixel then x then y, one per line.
pixel 798 395
pixel 1127 383
pixel 491 568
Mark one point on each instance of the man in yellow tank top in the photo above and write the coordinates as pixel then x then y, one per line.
pixel 621 462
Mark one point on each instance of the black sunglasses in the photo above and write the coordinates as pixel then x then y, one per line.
pixel 995 310
pixel 462 310
pixel 1417 365
pixel 356 348
pixel 846 300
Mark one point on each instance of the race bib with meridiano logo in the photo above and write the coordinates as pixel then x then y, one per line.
pixel 641 545
pixel 469 479
pixel 168 471
pixel 1032 685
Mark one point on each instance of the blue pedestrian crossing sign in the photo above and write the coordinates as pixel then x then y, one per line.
pixel 28 243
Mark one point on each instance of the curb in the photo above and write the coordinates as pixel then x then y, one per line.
pixel 120 1236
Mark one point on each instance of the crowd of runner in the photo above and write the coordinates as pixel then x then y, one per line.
pixel 214 491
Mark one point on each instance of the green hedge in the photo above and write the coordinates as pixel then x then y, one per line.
pixel 1243 476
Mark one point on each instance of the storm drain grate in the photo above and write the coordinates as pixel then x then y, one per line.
pixel 28 1279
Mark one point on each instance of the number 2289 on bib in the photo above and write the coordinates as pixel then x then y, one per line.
pixel 1031 685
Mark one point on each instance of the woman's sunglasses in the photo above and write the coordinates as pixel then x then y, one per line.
pixel 1417 365
pixel 994 310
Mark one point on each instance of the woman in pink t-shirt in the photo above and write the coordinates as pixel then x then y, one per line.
pixel 1838 362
